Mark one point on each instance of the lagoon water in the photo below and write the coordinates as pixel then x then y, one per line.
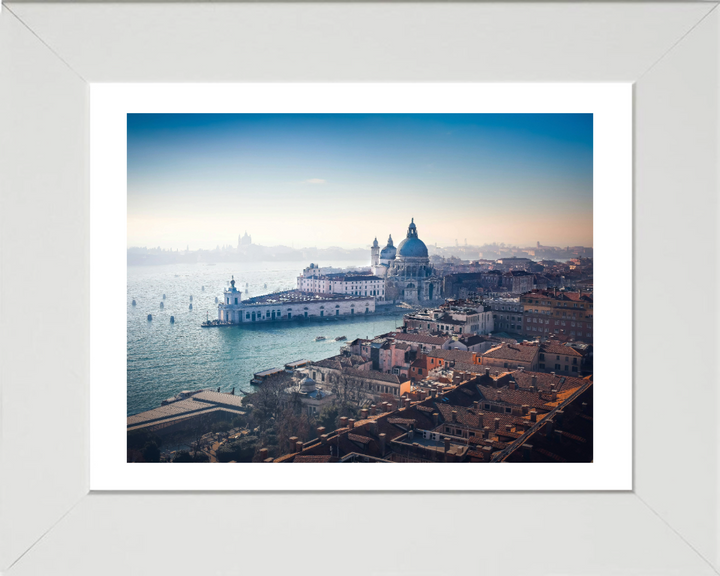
pixel 165 358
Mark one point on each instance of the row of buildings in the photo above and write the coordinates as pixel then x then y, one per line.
pixel 488 417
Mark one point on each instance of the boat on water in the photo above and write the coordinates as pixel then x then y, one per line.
pixel 211 323
pixel 319 338
pixel 340 338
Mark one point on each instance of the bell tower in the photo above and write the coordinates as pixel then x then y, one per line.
pixel 375 253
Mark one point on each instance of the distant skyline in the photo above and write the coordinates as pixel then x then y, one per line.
pixel 320 180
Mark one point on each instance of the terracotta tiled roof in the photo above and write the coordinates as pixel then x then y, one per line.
pixel 454 355
pixel 312 458
pixel 359 438
pixel 513 352
pixel 559 349
pixel 420 338
pixel 402 421
pixel 372 375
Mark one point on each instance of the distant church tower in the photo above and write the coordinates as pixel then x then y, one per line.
pixel 375 253
pixel 244 240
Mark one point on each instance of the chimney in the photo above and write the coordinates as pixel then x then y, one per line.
pixel 527 452
pixel 486 432
pixel 263 454
pixel 553 395
pixel 320 431
pixel 298 446
pixel 499 395
pixel 497 423
pixel 343 421
pixel 525 409
pixel 364 414
pixel 559 415
pixel 533 415
pixel 454 415
pixel 512 385
pixel 372 409
pixel 351 423
pixel 508 427
pixel 373 427
pixel 436 418
pixel 533 381
pixel 381 438
pixel 481 416
pixel 447 444
pixel 487 371
pixel 293 442
pixel 549 424
pixel 411 435
pixel 324 438
pixel 487 453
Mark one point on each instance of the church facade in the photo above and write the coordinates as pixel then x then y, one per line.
pixel 408 275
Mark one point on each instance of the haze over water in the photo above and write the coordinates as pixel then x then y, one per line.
pixel 165 358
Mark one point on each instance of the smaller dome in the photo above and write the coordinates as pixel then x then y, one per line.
pixel 307 384
pixel 375 244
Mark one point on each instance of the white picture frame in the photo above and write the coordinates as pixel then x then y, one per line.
pixel 50 53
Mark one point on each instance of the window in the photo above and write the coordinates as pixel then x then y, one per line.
pixel 487 406
pixel 557 366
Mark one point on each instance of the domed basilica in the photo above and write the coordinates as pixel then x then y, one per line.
pixel 409 277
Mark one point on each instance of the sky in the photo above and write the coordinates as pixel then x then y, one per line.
pixel 303 180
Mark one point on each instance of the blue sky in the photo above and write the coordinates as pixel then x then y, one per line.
pixel 340 180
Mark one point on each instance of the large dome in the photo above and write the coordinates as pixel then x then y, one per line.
pixel 412 246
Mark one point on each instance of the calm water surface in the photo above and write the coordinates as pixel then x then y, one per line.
pixel 165 358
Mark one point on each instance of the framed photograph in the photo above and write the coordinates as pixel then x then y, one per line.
pixel 231 240
pixel 372 361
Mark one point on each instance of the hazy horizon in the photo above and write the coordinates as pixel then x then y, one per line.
pixel 314 180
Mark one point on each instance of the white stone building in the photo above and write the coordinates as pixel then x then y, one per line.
pixel 289 305
pixel 408 275
pixel 349 284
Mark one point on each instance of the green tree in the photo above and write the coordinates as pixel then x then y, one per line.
pixel 151 452
pixel 138 439
pixel 185 456
pixel 240 450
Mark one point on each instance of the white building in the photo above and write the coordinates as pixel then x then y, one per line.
pixel 289 305
pixel 314 281
pixel 462 318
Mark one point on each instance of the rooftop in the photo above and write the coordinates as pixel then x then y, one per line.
pixel 421 338
pixel 297 297
pixel 513 352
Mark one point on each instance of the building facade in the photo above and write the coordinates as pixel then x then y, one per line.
pixel 461 318
pixel 349 284
pixel 556 312
pixel 507 314
pixel 408 275
pixel 289 305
